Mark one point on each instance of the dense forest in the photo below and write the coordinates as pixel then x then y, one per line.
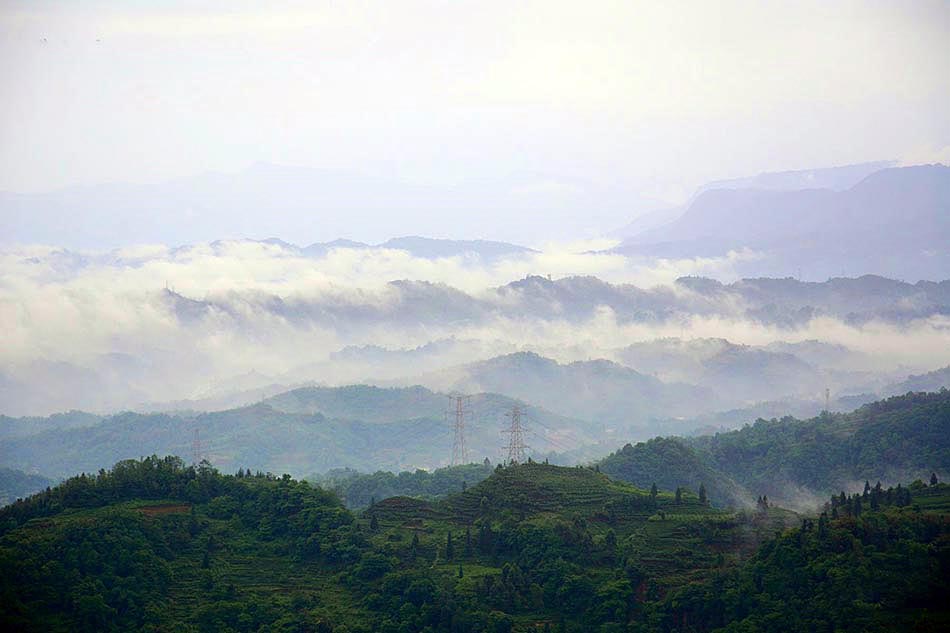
pixel 359 490
pixel 796 462
pixel 156 545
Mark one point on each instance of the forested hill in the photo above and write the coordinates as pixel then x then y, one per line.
pixel 796 462
pixel 156 546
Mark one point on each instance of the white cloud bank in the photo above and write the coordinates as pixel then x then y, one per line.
pixel 281 315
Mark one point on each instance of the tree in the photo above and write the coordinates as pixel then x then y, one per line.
pixel 461 573
pixel 449 547
pixel 610 539
pixel 679 495
pixel 702 494
pixel 374 523
pixel 933 479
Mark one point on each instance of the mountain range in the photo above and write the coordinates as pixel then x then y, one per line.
pixel 833 178
pixel 576 410
pixel 303 431
pixel 773 301
pixel 600 391
pixel 894 222
pixel 267 199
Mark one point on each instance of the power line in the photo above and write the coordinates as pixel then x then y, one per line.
pixel 196 449
pixel 516 431
pixel 547 437
pixel 462 410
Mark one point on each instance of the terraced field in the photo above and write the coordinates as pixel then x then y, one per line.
pixel 675 543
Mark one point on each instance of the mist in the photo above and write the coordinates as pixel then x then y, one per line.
pixel 154 323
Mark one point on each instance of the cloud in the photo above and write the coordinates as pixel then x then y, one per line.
pixel 926 155
pixel 240 307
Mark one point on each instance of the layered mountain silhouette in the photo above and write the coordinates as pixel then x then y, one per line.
pixel 600 391
pixel 307 203
pixel 893 222
pixel 306 430
pixel 834 178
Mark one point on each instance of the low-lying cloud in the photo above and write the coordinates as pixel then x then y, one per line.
pixel 241 313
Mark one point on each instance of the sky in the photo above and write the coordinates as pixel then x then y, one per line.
pixel 654 97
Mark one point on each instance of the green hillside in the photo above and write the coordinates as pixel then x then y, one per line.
pixel 672 462
pixel 153 545
pixel 156 546
pixel 798 461
pixel 880 569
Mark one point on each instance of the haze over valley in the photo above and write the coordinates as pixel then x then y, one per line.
pixel 450 317
pixel 617 346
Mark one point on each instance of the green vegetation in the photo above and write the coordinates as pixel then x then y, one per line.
pixel 881 569
pixel 359 490
pixel 154 545
pixel 894 440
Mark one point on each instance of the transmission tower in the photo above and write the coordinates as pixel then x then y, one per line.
pixel 827 400
pixel 461 410
pixel 516 431
pixel 196 449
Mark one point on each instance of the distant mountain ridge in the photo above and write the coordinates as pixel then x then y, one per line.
pixel 931 381
pixel 307 430
pixel 596 390
pixel 894 222
pixel 741 371
pixel 418 246
pixel 267 199
pixel 427 247
pixel 834 178
pixel 111 382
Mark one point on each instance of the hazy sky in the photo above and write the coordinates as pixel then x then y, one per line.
pixel 659 96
